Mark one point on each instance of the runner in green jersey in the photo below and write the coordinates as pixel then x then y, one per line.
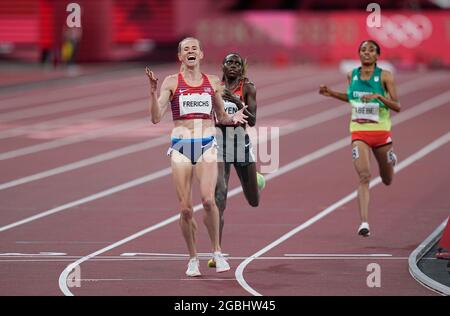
pixel 372 94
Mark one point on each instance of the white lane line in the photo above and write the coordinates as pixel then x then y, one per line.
pixel 41 254
pixel 337 255
pixel 277 107
pixel 417 110
pixel 202 256
pixel 73 139
pixel 62 242
pixel 90 198
pixel 156 254
pixel 441 141
pixel 202 279
pixel 69 92
pixel 128 107
pixel 44 100
pixel 183 259
pixel 76 104
pixel 88 161
pixel 85 86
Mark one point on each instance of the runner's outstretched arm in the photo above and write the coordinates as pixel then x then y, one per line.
pixel 158 106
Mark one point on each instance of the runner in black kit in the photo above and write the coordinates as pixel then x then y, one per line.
pixel 234 144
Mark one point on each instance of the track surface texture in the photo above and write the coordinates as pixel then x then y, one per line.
pixel 85 182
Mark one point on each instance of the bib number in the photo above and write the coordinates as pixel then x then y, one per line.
pixel 195 104
pixel 230 107
pixel 366 111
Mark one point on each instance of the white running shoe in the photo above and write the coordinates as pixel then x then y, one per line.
pixel 221 264
pixel 364 229
pixel 193 268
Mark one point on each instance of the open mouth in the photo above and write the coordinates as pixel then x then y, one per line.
pixel 191 58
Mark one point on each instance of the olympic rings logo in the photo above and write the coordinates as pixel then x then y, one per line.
pixel 399 30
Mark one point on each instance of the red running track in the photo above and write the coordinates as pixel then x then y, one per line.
pixel 77 210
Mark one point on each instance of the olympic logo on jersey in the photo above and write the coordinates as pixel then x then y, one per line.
pixel 400 30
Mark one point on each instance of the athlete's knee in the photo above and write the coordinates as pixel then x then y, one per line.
pixel 364 176
pixel 186 212
pixel 208 203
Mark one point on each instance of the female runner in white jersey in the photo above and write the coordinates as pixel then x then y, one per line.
pixel 193 97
